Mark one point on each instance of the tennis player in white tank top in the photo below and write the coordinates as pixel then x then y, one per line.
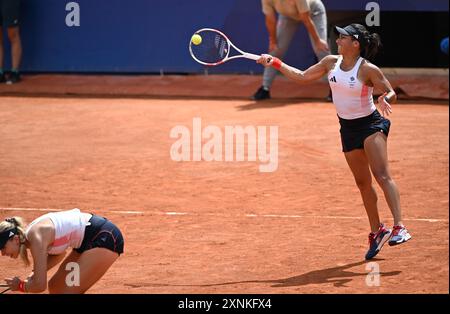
pixel 95 241
pixel 364 131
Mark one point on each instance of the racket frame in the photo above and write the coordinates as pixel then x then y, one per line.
pixel 243 54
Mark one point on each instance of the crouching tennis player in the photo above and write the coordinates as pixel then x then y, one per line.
pixel 96 244
pixel 364 130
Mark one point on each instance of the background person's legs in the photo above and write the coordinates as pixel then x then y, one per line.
pixel 286 29
pixel 9 19
pixel 1 36
pixel 319 18
pixel 16 53
pixel 2 74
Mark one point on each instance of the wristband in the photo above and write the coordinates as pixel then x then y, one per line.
pixel 276 63
pixel 386 99
pixel 22 286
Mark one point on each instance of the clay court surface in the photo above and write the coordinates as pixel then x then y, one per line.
pixel 225 227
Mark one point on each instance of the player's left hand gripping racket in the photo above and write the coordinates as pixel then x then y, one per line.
pixel 215 48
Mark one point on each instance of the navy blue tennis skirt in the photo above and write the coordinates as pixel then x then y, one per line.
pixel 101 233
pixel 355 131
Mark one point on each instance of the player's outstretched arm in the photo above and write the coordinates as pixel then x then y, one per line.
pixel 313 73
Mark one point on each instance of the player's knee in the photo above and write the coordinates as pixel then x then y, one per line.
pixel 382 177
pixel 363 184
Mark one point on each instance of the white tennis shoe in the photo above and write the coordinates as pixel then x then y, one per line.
pixel 399 235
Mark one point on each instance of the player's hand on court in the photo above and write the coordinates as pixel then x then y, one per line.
pixel 385 107
pixel 13 283
pixel 322 45
pixel 266 60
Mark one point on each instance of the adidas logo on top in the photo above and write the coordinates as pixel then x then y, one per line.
pixel 333 79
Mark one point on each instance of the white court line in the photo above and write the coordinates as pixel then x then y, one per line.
pixel 132 212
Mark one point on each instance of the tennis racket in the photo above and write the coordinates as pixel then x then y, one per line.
pixel 4 286
pixel 215 48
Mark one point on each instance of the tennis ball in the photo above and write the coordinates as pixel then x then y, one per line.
pixel 196 39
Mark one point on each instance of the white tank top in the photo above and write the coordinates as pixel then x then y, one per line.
pixel 69 229
pixel 352 98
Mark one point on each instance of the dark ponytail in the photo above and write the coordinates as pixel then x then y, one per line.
pixel 370 44
pixel 372 47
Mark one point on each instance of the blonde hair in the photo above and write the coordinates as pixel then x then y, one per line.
pixel 18 223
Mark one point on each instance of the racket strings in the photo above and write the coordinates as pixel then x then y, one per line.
pixel 213 48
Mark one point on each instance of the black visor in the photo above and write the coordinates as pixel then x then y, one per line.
pixel 354 32
pixel 348 31
pixel 6 235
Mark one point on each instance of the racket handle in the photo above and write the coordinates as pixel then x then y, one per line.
pixel 251 56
